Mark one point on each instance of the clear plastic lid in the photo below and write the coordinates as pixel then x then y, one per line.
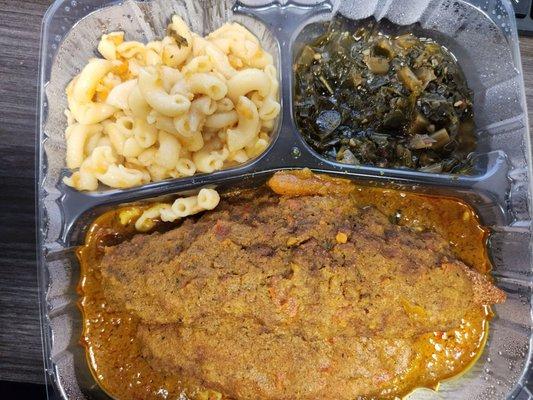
pixel 482 35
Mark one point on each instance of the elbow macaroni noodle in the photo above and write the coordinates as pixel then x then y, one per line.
pixel 169 108
pixel 207 199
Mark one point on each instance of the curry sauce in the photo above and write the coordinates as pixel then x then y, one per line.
pixel 115 354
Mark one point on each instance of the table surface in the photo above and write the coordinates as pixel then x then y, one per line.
pixel 20 340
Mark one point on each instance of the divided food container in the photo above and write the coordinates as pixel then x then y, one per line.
pixel 481 34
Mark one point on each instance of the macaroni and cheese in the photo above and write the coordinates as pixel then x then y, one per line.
pixel 207 199
pixel 169 108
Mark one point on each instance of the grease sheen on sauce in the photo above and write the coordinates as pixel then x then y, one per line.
pixel 115 356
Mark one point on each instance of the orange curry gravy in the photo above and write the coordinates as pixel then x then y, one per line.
pixel 114 353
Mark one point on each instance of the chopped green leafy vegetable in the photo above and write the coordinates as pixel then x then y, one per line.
pixel 365 97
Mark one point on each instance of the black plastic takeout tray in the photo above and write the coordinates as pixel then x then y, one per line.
pixel 485 43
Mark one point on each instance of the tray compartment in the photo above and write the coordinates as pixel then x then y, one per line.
pixel 511 321
pixel 142 21
pixel 491 67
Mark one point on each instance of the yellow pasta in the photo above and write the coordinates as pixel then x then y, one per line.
pixel 151 57
pixel 185 167
pixel 239 156
pixel 131 148
pixel 119 95
pixel 116 137
pixel 157 172
pixel 85 86
pixel 208 84
pixel 81 181
pixel 100 160
pixel 131 49
pixel 146 221
pixel 219 61
pixel 209 161
pixel 169 108
pixel 169 77
pixel 137 103
pixel 118 176
pixel 197 64
pixel 158 99
pixel 267 124
pixel 76 137
pixel 225 104
pixel 86 178
pixel 91 113
pixel 86 112
pixel 147 157
pixel 181 87
pixel 183 126
pixel 269 109
pixel 164 123
pixel 204 105
pixel 174 55
pixel 246 81
pixel 92 142
pixel 125 125
pixel 169 149
pixel 108 45
pixel 207 199
pixel 186 206
pixel 144 133
pixel 222 119
pixel 248 126
pixel 256 148
pixel 193 143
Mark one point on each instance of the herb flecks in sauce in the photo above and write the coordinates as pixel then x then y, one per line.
pixel 364 97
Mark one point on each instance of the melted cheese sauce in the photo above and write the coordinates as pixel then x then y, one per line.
pixel 115 355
